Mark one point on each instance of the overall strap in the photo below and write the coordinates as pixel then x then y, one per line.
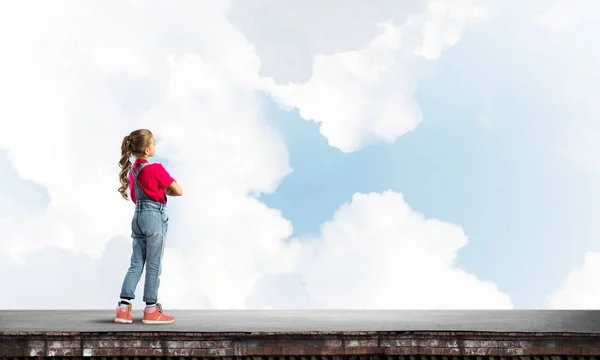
pixel 139 192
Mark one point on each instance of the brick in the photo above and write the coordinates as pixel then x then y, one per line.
pixel 64 352
pixel 482 351
pixel 256 352
pixel 301 346
pixel 55 345
pixel 199 344
pixel 116 351
pixel 365 350
pixel 339 351
pixel 33 352
pixel 426 351
pixel 178 352
pixel 361 343
pixel 148 352
pixel 394 343
pixel 397 351
pixel 307 344
pixel 157 352
pixel 252 344
pixel 451 351
pixel 155 344
pixel 450 344
pixel 174 344
pixel 16 352
pixel 474 351
pixel 36 344
pixel 229 352
pixel 91 344
pixel 107 344
pixel 545 351
pixel 138 343
pixel 333 343
pixel 471 343
pixel 524 344
pixel 489 344
pixel 201 352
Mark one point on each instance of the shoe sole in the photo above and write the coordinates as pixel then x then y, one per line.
pixel 123 321
pixel 157 322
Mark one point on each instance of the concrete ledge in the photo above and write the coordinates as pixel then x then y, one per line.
pixel 306 335
pixel 306 345
pixel 285 321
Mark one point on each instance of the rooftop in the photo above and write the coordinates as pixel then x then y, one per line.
pixel 295 321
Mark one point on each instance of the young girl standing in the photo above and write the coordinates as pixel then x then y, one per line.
pixel 149 185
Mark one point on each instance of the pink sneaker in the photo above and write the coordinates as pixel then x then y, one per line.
pixel 123 314
pixel 156 316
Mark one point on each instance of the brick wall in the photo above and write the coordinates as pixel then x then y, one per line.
pixel 302 345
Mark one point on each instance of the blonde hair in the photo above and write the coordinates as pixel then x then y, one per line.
pixel 133 144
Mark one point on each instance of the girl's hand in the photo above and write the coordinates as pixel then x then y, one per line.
pixel 168 191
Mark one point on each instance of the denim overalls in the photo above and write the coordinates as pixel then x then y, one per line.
pixel 149 230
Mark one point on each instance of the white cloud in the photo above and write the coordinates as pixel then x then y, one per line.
pixel 113 58
pixel 67 122
pixel 141 4
pixel 80 77
pixel 365 93
pixel 378 253
pixel 561 15
pixel 580 288
pixel 288 35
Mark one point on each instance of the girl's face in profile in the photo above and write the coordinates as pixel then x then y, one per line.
pixel 150 149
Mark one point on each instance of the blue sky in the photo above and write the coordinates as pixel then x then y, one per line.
pixel 529 215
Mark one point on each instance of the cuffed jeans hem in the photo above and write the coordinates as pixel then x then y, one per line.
pixel 127 296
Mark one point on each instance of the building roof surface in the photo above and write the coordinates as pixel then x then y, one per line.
pixel 293 321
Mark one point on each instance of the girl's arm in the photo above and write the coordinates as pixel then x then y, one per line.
pixel 174 189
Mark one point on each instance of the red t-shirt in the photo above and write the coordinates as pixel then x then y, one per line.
pixel 153 179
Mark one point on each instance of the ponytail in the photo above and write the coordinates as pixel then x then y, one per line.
pixel 125 165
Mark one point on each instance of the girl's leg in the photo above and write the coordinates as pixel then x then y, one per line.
pixel 138 258
pixel 155 248
pixel 154 253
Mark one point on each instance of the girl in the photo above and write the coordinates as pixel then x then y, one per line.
pixel 149 185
